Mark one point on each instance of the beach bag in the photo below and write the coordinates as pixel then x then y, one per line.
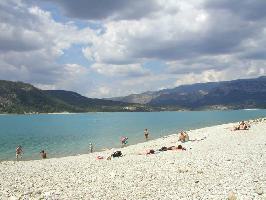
pixel 117 154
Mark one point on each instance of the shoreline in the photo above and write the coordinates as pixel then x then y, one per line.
pixel 118 147
pixel 69 113
pixel 218 163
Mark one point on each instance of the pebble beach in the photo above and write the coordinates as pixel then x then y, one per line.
pixel 218 164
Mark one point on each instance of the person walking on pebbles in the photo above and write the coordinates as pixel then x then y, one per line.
pixel 19 152
pixel 146 133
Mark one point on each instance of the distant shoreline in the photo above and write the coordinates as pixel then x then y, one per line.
pixel 69 113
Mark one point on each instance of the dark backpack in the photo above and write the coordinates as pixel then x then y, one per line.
pixel 117 154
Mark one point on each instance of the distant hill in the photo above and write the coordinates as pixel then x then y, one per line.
pixel 19 97
pixel 236 94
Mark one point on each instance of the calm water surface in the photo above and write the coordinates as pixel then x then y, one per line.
pixel 70 134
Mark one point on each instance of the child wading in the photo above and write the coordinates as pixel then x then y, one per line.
pixel 19 152
pixel 124 140
pixel 43 154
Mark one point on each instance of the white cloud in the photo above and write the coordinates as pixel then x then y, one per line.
pixel 159 36
pixel 251 70
pixel 32 41
pixel 131 70
pixel 205 76
pixel 196 40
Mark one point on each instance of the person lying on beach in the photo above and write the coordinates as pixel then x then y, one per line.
pixel 19 152
pixel 179 147
pixel 163 149
pixel 183 137
pixel 43 154
pixel 147 152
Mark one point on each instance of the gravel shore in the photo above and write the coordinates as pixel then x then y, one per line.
pixel 218 164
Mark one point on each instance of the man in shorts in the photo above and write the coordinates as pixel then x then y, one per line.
pixel 146 134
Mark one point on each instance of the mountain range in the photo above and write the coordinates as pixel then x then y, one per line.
pixel 236 94
pixel 19 97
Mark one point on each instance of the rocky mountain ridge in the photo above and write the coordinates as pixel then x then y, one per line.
pixel 236 94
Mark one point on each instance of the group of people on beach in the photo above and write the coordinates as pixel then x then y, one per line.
pixel 19 153
pixel 183 137
pixel 242 126
pixel 124 140
pixel 152 151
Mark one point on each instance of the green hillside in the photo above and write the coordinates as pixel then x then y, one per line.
pixel 19 97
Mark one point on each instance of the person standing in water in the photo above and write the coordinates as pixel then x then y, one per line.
pixel 146 134
pixel 124 141
pixel 19 152
pixel 90 148
pixel 43 154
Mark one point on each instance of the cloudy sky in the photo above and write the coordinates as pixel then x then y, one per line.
pixel 105 48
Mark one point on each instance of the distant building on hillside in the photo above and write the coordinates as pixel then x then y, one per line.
pixel 131 108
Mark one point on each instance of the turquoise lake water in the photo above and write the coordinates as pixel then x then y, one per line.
pixel 70 134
